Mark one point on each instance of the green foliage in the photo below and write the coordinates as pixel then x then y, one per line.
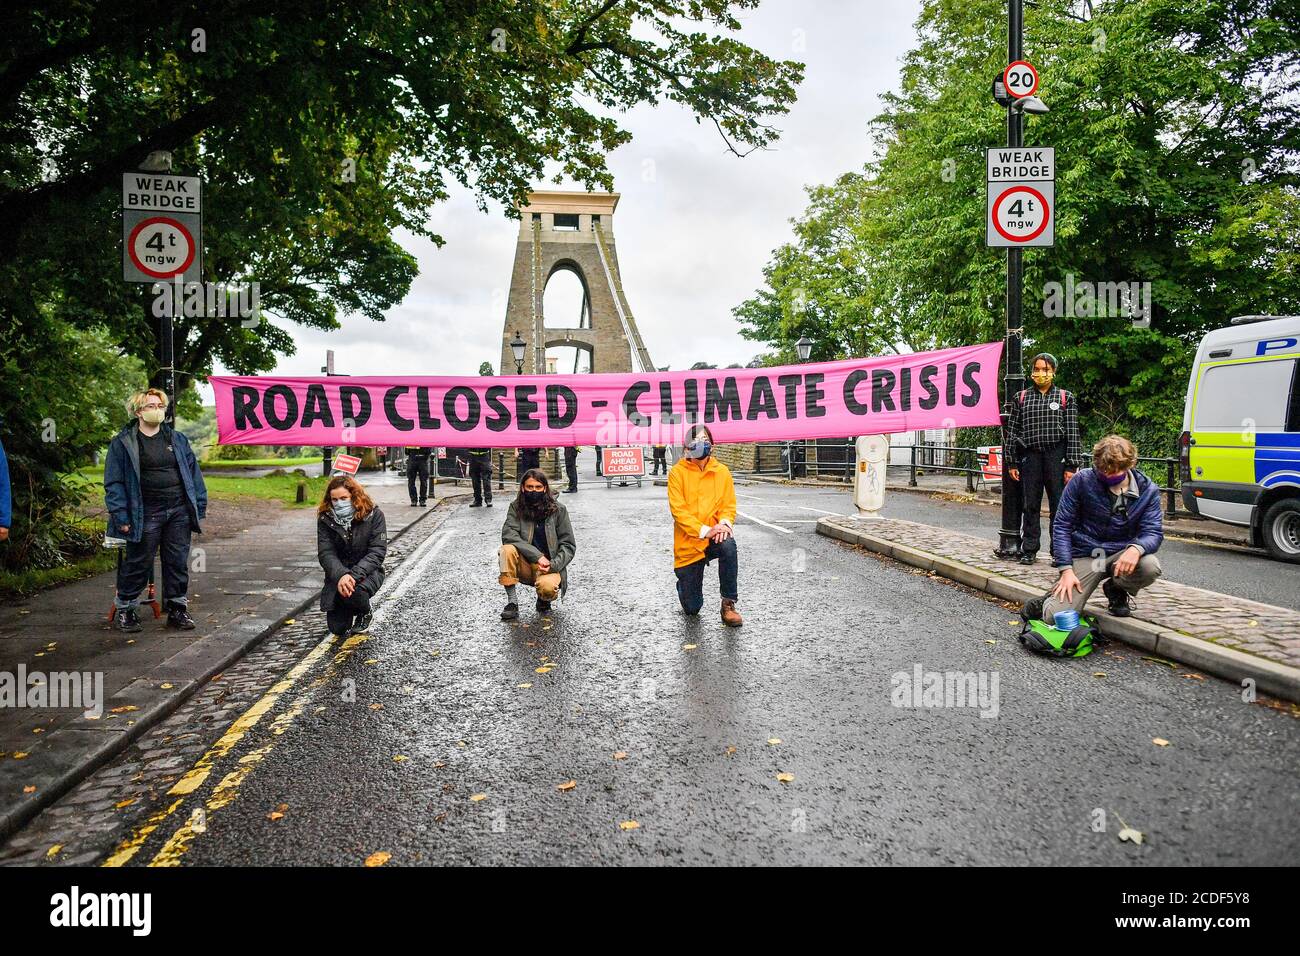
pixel 60 405
pixel 1177 130
pixel 485 368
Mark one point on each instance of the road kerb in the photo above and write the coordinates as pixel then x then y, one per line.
pixel 1269 677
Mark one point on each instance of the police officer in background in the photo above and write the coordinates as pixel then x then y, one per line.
pixel 480 476
pixel 571 469
pixel 417 465
pixel 528 458
pixel 660 459
pixel 1044 448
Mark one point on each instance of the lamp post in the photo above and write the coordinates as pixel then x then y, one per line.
pixel 517 346
pixel 1013 375
pixel 803 348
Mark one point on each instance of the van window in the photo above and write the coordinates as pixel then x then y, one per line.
pixel 1253 395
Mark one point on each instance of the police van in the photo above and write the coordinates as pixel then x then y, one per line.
pixel 1239 453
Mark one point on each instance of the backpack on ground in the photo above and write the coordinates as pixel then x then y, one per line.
pixel 1042 638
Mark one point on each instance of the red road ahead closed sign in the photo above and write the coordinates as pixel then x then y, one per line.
pixel 623 462
pixel 348 464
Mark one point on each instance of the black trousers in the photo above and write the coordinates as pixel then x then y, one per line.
pixel 417 467
pixel 599 464
pixel 346 610
pixel 166 528
pixel 660 458
pixel 480 477
pixel 571 467
pixel 1040 469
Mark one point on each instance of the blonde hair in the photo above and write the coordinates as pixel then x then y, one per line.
pixel 1114 454
pixel 136 401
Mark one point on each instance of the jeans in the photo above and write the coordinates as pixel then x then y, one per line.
pixel 166 527
pixel 690 579
pixel 1040 470
pixel 417 467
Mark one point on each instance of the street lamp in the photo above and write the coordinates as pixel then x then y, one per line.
pixel 517 345
pixel 804 348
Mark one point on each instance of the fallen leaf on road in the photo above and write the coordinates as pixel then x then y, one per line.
pixel 1129 834
pixel 438 765
pixel 478 797
pixel 785 777
pixel 1252 623
pixel 990 642
pixel 525 685
pixel 29 789
pixel 53 851
pixel 543 659
pixel 38 730
pixel 275 815
pixel 376 706
pixel 689 647
pixel 378 858
pixel 1160 741
pixel 398 758
pixel 373 660
pixel 1013 623
pixel 125 709
pixel 20 755
pixel 1160 660
pixel 629 825
pixel 567 785
pixel 544 670
pixel 290 620
pixel 620 754
pixel 1099 674
pixel 1194 676
pixel 730 750
pixel 124 803
pixel 434 653
pixel 773 740
pixel 166 686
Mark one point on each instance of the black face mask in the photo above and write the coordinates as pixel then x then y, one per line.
pixel 534 499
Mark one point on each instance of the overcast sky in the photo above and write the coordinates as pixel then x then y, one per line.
pixel 694 227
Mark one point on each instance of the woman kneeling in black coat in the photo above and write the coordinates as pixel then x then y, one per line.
pixel 351 541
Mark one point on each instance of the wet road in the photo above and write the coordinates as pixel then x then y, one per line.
pixel 1243 572
pixel 447 736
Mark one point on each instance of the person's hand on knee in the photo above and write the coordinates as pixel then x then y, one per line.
pixel 1066 585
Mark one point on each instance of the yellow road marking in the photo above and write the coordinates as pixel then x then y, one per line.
pixel 202 769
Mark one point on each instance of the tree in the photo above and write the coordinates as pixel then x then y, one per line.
pixel 485 369
pixel 1177 127
pixel 319 128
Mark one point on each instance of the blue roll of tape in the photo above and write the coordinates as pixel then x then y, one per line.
pixel 1066 620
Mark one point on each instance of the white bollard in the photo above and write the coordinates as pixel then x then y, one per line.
pixel 869 479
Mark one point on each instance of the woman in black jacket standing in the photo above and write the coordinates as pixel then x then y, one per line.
pixel 351 541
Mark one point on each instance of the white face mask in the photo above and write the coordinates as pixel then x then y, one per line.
pixel 153 416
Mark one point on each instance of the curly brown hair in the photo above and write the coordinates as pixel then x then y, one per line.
pixel 361 501
pixel 1114 454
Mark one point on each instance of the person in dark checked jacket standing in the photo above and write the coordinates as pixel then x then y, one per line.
pixel 1044 448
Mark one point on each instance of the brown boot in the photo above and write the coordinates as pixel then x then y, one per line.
pixel 730 616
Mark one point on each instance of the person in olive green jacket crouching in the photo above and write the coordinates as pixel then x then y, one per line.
pixel 537 545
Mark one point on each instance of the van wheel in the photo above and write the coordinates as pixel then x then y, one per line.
pixel 1281 529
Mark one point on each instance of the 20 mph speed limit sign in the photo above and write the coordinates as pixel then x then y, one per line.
pixel 1021 197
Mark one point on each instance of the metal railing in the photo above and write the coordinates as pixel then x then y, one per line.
pixel 836 459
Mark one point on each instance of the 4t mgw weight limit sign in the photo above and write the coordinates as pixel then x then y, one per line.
pixel 1021 197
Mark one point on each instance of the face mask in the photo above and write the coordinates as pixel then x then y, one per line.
pixel 698 449
pixel 343 509
pixel 1042 378
pixel 1110 481
pixel 534 498
pixel 152 416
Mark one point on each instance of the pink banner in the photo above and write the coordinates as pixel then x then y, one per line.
pixel 871 396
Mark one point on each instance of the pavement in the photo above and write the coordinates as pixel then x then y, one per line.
pixel 252 569
pixel 617 730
